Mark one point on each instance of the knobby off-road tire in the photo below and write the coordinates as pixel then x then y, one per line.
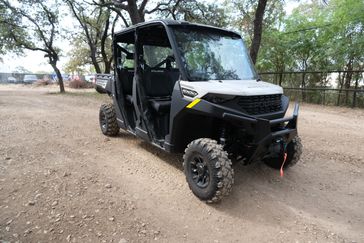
pixel 294 151
pixel 208 170
pixel 107 118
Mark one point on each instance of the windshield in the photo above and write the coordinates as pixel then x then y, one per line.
pixel 213 55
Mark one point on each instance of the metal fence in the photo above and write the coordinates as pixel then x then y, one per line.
pixel 325 96
pixel 339 88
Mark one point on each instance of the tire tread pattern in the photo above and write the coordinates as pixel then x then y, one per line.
pixel 112 128
pixel 297 151
pixel 223 166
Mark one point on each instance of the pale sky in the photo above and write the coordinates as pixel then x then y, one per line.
pixel 35 61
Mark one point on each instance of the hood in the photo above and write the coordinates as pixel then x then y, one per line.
pixel 232 87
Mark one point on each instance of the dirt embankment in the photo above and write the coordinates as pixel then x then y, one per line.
pixel 62 180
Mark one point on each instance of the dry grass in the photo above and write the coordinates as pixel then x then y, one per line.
pixel 42 82
pixel 80 84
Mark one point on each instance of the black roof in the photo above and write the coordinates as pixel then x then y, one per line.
pixel 170 22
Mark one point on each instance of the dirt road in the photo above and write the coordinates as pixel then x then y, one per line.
pixel 62 180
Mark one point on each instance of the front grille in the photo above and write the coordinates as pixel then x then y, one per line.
pixel 260 104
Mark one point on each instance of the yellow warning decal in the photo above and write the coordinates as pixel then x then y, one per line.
pixel 193 103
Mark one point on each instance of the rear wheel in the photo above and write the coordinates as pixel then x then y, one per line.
pixel 208 170
pixel 294 151
pixel 107 118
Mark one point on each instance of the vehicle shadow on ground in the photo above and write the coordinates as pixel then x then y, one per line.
pixel 249 179
pixel 257 189
pixel 175 160
pixel 255 185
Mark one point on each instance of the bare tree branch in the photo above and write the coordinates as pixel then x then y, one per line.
pixel 158 7
pixel 111 5
pixel 142 6
pixel 22 13
pixel 120 4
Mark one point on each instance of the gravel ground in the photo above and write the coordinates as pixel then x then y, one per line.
pixel 61 180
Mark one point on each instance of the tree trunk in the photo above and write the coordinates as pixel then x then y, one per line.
pixel 94 60
pixel 107 67
pixel 303 85
pixel 280 77
pixel 134 13
pixel 59 76
pixel 349 74
pixel 105 59
pixel 258 27
pixel 356 87
pixel 341 82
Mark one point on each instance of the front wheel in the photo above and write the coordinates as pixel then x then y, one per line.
pixel 107 118
pixel 294 151
pixel 208 170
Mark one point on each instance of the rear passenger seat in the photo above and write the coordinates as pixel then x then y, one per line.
pixel 159 87
pixel 126 76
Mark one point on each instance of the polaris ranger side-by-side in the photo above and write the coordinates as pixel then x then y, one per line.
pixel 192 88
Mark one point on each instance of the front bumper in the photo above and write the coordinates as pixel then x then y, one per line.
pixel 265 131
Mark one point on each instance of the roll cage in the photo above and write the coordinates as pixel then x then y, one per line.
pixel 168 25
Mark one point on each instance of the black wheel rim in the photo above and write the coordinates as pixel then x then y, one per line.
pixel 103 121
pixel 199 171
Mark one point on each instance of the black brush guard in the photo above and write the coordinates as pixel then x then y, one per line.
pixel 263 132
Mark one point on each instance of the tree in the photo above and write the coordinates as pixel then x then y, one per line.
pixel 317 36
pixel 7 24
pixel 135 9
pixel 79 57
pixel 254 19
pixel 273 53
pixel 346 37
pixel 96 32
pixel 31 25
pixel 196 12
pixel 258 29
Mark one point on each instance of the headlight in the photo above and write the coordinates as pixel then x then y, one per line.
pixel 189 93
pixel 218 98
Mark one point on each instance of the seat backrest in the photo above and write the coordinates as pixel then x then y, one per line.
pixel 160 83
pixel 174 76
pixel 126 77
